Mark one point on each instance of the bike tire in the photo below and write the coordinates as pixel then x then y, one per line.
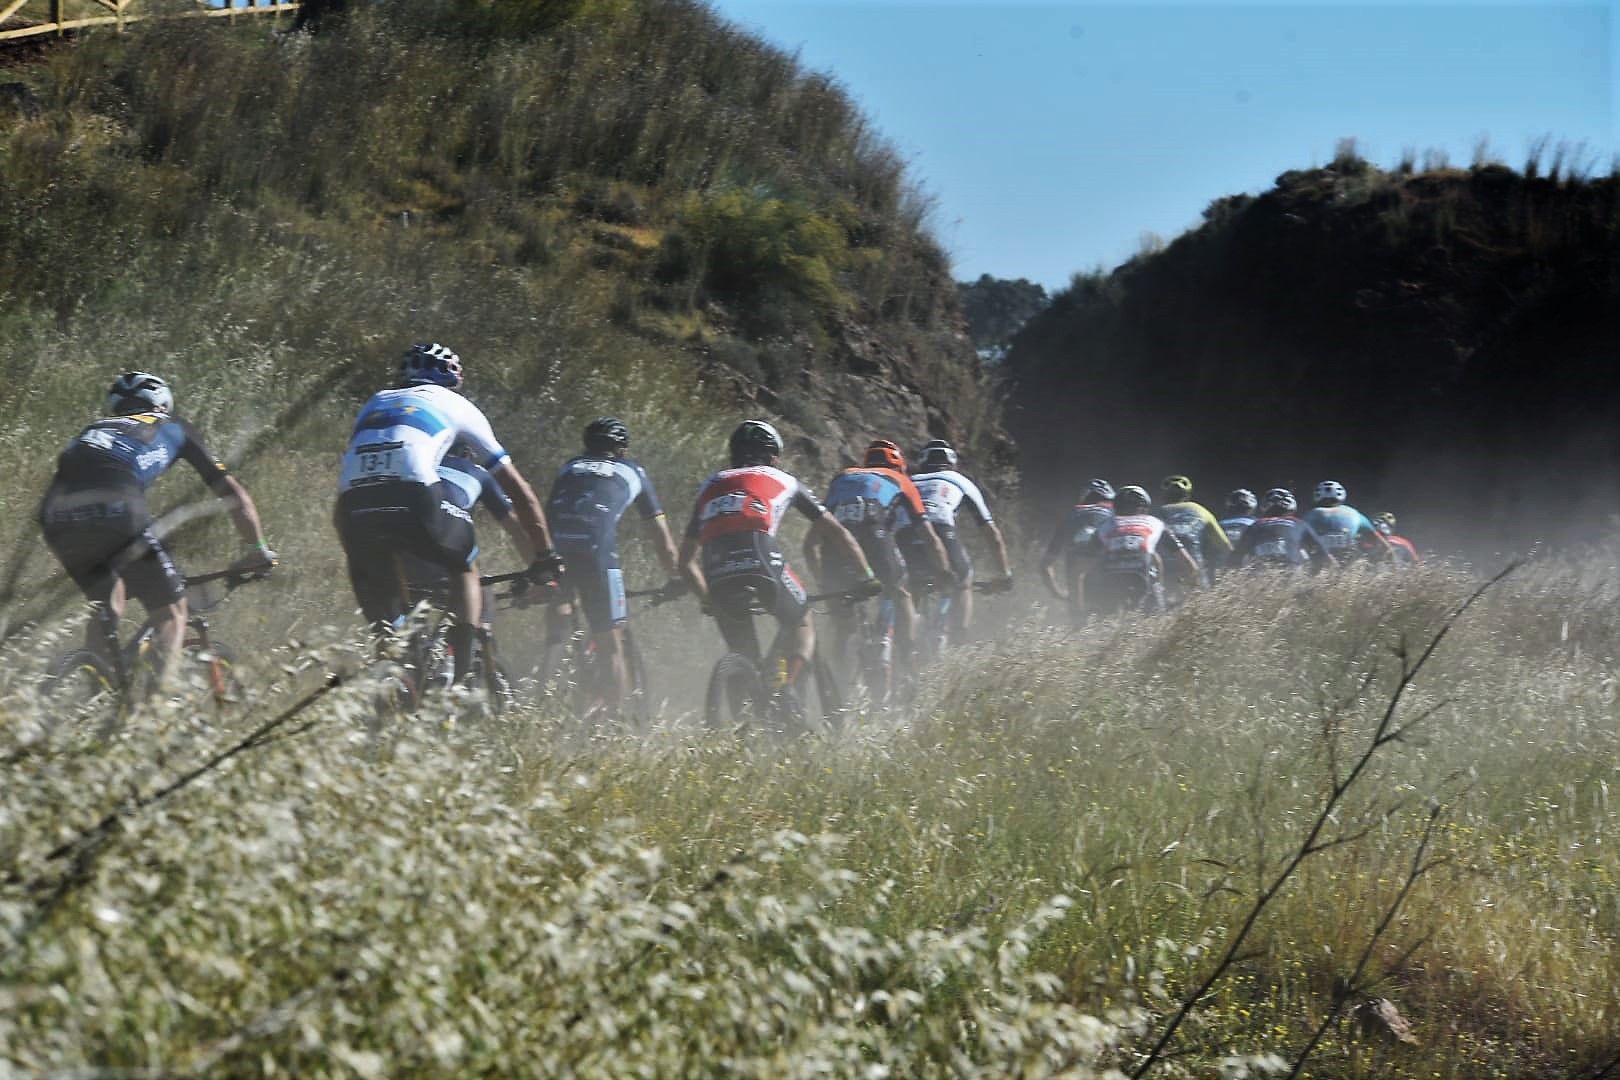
pixel 79 678
pixel 736 699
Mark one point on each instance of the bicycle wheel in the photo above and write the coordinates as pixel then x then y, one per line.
pixel 736 699
pixel 77 679
pixel 502 691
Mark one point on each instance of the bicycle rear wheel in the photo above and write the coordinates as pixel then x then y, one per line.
pixel 736 699
pixel 79 678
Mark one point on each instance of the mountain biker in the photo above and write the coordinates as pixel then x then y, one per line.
pixel 1194 526
pixel 96 521
pixel 866 500
pixel 733 527
pixel 944 491
pixel 1405 554
pixel 1279 537
pixel 589 497
pixel 1345 531
pixel 1073 542
pixel 392 500
pixel 1240 507
pixel 470 486
pixel 1129 574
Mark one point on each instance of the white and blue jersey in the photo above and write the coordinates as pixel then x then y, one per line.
pixel 1235 527
pixel 401 436
pixel 469 485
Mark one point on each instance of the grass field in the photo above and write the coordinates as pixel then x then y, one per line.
pixel 1026 874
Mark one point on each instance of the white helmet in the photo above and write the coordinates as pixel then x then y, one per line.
pixel 138 391
pixel 1329 491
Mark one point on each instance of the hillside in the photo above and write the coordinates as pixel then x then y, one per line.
pixel 624 207
pixel 1443 341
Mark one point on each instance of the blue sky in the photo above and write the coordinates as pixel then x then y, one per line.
pixel 1055 136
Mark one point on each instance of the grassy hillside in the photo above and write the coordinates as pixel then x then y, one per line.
pixel 605 207
pixel 1442 340
pixel 1025 876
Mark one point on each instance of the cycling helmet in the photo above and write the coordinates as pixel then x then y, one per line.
pixel 1132 499
pixel 138 391
pixel 754 443
pixel 885 454
pixel 1329 491
pixel 1098 491
pixel 1175 488
pixel 939 453
pixel 606 435
pixel 1242 501
pixel 430 362
pixel 1385 522
pixel 1279 501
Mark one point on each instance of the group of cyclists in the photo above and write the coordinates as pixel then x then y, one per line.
pixel 421 458
pixel 1120 553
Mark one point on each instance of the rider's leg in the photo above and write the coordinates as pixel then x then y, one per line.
pixel 168 639
pixel 466 604
pixel 905 627
pixel 801 646
pixel 112 609
pixel 612 671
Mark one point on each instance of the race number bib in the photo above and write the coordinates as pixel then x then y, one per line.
pixel 1272 549
pixel 733 503
pixel 1335 541
pixel 850 513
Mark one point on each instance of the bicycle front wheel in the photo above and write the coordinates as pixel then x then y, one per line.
pixel 736 698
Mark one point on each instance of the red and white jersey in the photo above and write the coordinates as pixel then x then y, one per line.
pixel 747 500
pixel 1130 541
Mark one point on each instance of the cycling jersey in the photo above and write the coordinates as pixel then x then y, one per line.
pixel 401 436
pixel 1074 533
pixel 944 492
pixel 590 496
pixel 1195 527
pixel 94 515
pixel 1284 540
pixel 867 501
pixel 469 485
pixel 1344 531
pixel 128 453
pixel 1235 527
pixel 1130 544
pixel 751 499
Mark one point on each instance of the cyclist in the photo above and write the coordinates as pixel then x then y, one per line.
pixel 589 497
pixel 866 500
pixel 1131 568
pixel 1345 531
pixel 1240 507
pixel 944 491
pixel 1400 547
pixel 733 527
pixel 96 521
pixel 470 486
pixel 392 499
pixel 1194 526
pixel 1279 537
pixel 1072 541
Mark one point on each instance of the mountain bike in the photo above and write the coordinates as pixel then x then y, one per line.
pixel 425 661
pixel 571 665
pixel 750 691
pixel 113 671
pixel 872 666
pixel 934 600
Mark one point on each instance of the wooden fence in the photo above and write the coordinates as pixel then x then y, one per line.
pixel 20 19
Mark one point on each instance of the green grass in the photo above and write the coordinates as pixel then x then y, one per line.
pixel 501 896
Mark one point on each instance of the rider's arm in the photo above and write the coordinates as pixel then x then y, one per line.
pixel 687 563
pixel 812 554
pixel 1383 550
pixel 1189 565
pixel 1000 544
pixel 525 503
pixel 833 533
pixel 1214 535
pixel 229 490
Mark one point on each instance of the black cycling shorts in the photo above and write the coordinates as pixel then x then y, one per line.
pixel 882 554
pixel 922 561
pixel 746 571
pixel 1108 591
pixel 596 583
pixel 378 522
pixel 103 536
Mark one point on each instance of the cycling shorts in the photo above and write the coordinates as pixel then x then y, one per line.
pixel 104 536
pixel 921 560
pixel 597 584
pixel 379 521
pixel 882 554
pixel 746 571
pixel 1108 591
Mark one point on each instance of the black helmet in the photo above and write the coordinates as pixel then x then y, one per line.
pixel 1132 499
pixel 939 453
pixel 1098 491
pixel 606 435
pixel 754 443
pixel 1279 501
pixel 1242 501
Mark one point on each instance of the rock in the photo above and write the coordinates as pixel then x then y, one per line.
pixel 1378 1018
